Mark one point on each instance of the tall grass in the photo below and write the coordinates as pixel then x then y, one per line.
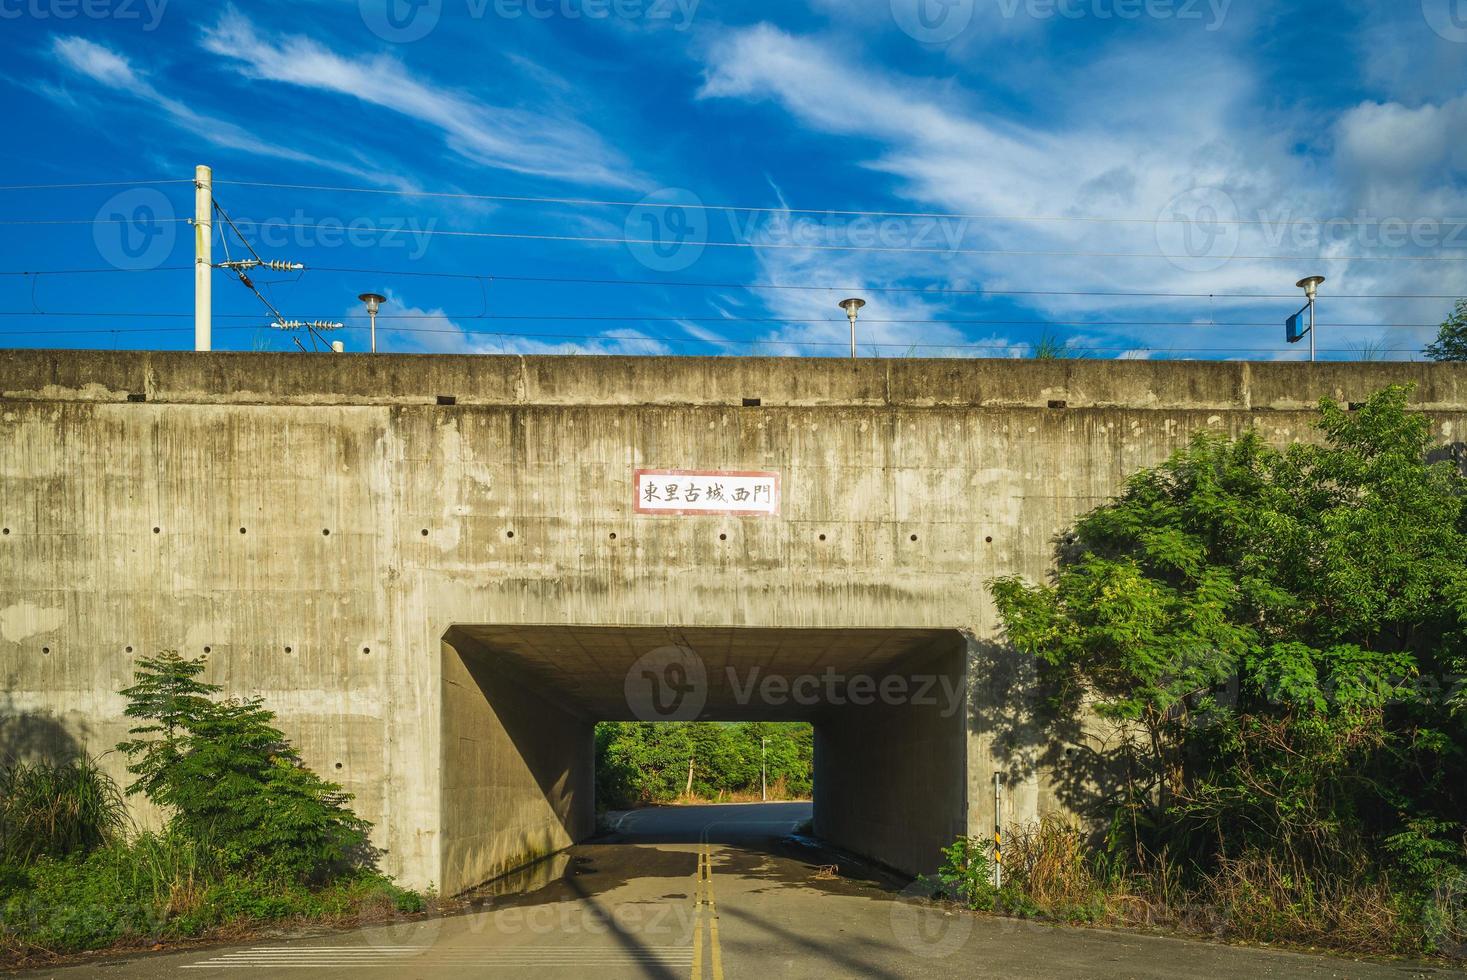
pixel 1050 870
pixel 57 810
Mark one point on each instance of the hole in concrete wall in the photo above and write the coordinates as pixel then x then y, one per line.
pixel 289 650
pixel 136 397
pixel 613 535
pixel 326 532
pixel 753 402
pixel 822 537
pixel 1356 406
pixel 208 649
pixel 447 401
pixel 425 532
pixel 988 541
pixel 243 531
pixel 338 765
pixel 1059 404
pixel 723 537
pixel 366 650
pixel 157 530
pixel 6 532
pixel 46 651
pixel 509 534
pixel 128 650
pixel 914 537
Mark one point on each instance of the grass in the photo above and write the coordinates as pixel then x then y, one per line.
pixel 159 888
pixel 1050 871
pixel 73 880
pixel 57 809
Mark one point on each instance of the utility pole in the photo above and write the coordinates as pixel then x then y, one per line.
pixel 764 768
pixel 203 258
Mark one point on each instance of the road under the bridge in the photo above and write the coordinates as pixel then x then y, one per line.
pixel 723 892
pixel 890 709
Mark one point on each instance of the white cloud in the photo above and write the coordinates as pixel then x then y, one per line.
pixel 1118 145
pixel 406 328
pixel 532 141
pixel 113 71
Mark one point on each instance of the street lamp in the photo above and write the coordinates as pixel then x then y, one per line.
pixel 374 303
pixel 1311 290
pixel 853 309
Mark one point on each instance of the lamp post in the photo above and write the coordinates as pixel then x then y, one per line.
pixel 853 309
pixel 374 303
pixel 1311 290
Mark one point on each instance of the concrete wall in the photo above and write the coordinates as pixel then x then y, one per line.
pixel 907 485
pixel 891 777
pixel 518 769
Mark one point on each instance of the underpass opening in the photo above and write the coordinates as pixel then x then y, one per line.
pixel 890 710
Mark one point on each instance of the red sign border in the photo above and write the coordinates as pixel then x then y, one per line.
pixel 662 512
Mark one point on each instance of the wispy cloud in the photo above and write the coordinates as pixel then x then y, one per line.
pixel 539 142
pixel 112 70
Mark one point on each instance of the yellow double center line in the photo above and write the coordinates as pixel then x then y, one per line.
pixel 706 907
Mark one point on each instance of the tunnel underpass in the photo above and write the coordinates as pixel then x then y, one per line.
pixel 520 704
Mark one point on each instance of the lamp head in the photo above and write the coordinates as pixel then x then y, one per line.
pixel 852 306
pixel 1311 286
pixel 373 301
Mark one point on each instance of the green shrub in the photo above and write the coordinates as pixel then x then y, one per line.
pixel 231 780
pixel 56 810
pixel 161 887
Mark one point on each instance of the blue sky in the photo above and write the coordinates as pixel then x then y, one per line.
pixel 1143 178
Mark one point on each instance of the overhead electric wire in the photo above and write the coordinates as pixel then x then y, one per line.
pixel 837 212
pixel 88 272
pixel 239 274
pixel 851 290
pixel 1020 253
pixel 772 343
pixel 94 183
pixel 637 318
pixel 798 287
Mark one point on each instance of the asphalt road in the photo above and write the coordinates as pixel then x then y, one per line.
pixel 718 892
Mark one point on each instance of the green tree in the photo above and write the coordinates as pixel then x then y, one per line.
pixel 1260 619
pixel 1451 342
pixel 231 781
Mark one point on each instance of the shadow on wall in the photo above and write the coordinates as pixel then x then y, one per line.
pixel 28 736
pixel 1077 759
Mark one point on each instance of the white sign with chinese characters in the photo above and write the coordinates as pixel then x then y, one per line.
pixel 690 492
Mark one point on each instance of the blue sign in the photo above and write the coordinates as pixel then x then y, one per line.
pixel 1295 324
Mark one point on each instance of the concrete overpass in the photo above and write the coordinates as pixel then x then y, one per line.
pixel 442 571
